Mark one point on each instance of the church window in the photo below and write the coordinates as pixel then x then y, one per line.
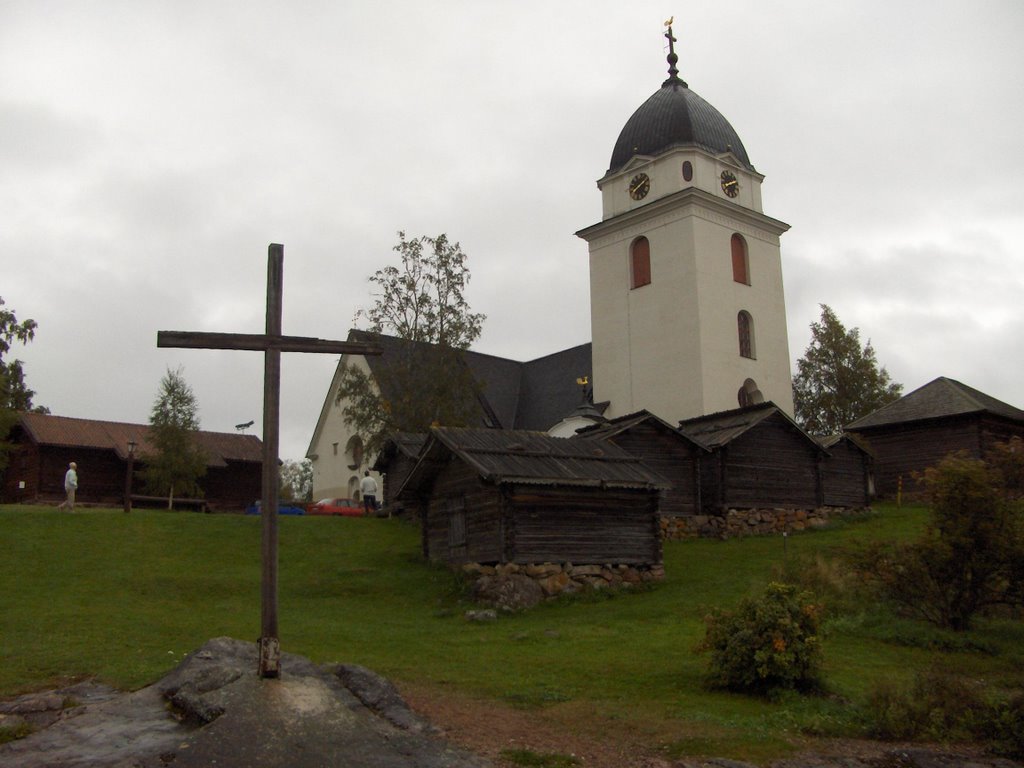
pixel 749 394
pixel 640 262
pixel 745 326
pixel 740 263
pixel 687 170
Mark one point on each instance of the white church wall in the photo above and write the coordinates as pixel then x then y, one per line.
pixel 336 450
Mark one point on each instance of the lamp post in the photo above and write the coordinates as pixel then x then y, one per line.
pixel 128 477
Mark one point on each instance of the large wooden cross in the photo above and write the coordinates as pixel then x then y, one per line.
pixel 272 344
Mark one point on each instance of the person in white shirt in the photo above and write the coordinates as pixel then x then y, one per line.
pixel 368 488
pixel 70 486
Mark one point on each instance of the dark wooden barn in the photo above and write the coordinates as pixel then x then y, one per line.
pixel 395 462
pixel 759 459
pixel 45 444
pixel 663 448
pixel 846 472
pixel 504 496
pixel 924 426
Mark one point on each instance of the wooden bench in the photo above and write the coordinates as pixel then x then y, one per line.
pixel 198 504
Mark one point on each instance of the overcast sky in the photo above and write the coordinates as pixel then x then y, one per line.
pixel 150 151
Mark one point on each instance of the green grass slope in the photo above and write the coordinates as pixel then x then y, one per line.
pixel 123 597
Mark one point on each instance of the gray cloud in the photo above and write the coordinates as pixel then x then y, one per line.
pixel 152 151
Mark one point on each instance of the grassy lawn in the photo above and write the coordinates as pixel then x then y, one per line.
pixel 123 597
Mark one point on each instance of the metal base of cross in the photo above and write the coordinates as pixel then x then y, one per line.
pixel 270 657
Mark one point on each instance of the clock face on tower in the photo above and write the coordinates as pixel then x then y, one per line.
pixel 639 186
pixel 730 186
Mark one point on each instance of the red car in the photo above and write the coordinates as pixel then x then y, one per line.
pixel 345 507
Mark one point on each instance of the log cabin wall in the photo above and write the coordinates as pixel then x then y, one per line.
pixel 711 470
pixel 770 465
pixel 101 475
pixel 398 470
pixel 21 480
pixel 458 492
pixel 45 445
pixel 101 478
pixel 995 430
pixel 584 525
pixel 671 457
pixel 844 476
pixel 901 450
pixel 234 487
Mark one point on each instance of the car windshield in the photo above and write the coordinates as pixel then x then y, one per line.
pixel 325 501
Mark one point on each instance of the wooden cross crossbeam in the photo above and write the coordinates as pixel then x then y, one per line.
pixel 272 344
pixel 256 342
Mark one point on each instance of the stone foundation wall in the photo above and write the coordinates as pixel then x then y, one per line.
pixel 514 586
pixel 749 522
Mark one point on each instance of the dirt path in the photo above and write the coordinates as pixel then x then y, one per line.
pixel 490 728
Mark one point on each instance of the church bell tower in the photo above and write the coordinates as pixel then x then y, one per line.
pixel 688 314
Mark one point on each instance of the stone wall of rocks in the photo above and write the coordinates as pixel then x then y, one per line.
pixel 749 522
pixel 512 586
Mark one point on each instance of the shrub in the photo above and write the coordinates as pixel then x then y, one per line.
pixel 768 643
pixel 970 558
pixel 941 706
pixel 1008 460
pixel 1003 728
pixel 831 580
pixel 938 705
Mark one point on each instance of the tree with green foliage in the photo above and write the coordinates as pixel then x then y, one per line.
pixel 424 380
pixel 837 380
pixel 15 395
pixel 768 643
pixel 176 461
pixel 297 480
pixel 970 558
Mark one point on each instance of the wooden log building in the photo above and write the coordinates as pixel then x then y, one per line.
pixel 846 472
pixel 926 425
pixel 44 445
pixel 395 462
pixel 662 447
pixel 509 496
pixel 759 459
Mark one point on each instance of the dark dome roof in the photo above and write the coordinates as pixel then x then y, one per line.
pixel 675 116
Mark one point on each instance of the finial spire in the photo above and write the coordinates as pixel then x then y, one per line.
pixel 673 72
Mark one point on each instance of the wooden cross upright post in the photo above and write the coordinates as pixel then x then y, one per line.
pixel 272 344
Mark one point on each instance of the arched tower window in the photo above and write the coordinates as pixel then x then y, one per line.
pixel 640 262
pixel 749 394
pixel 740 263
pixel 745 328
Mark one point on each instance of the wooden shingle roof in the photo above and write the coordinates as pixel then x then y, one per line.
pixel 830 441
pixel 620 424
pixel 407 444
pixel 534 458
pixel 45 429
pixel 718 429
pixel 938 399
